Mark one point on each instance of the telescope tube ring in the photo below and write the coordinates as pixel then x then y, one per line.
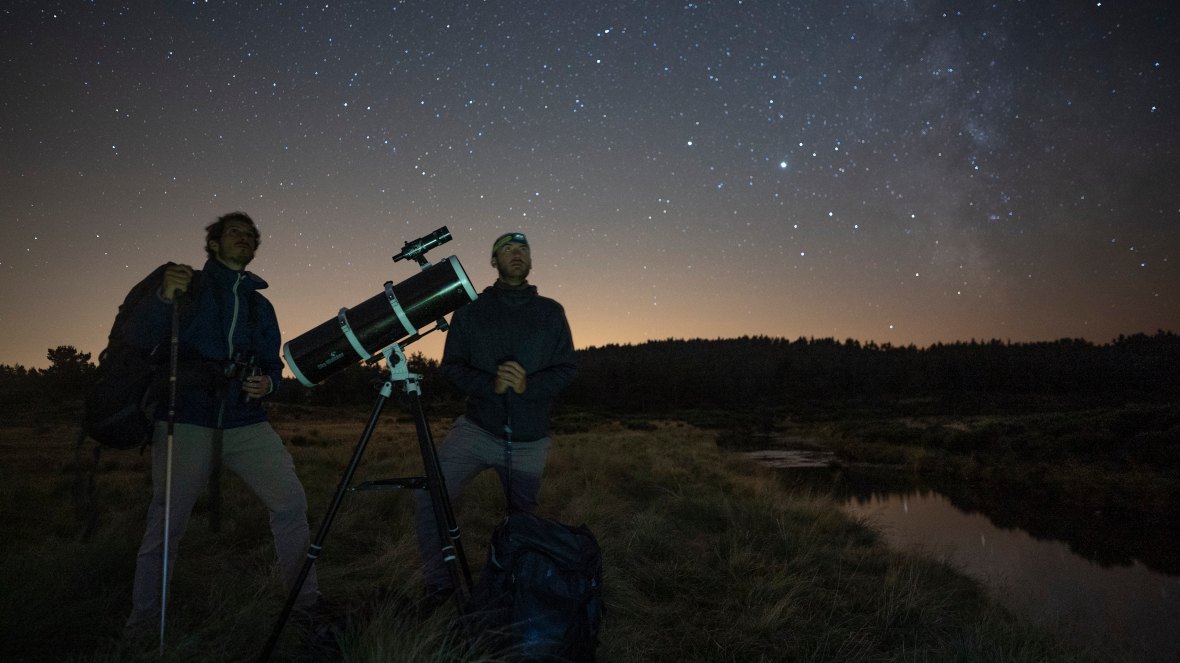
pixel 342 318
pixel 398 310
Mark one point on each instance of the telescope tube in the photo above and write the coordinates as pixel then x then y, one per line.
pixel 400 311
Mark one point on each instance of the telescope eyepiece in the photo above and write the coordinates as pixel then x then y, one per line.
pixel 416 248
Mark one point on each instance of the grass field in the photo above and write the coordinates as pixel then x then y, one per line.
pixel 706 557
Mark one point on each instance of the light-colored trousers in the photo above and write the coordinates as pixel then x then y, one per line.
pixel 257 455
pixel 467 451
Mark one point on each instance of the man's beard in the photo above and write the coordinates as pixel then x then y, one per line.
pixel 506 274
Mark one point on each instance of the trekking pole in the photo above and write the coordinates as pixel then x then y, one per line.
pixel 172 363
pixel 508 448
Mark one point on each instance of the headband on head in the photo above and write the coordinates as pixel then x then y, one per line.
pixel 519 238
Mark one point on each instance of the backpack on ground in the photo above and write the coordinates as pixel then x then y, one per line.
pixel 539 597
pixel 120 404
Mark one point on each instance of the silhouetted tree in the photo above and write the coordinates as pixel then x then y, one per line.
pixel 70 371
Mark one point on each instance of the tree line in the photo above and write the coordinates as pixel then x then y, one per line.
pixel 755 372
pixel 765 372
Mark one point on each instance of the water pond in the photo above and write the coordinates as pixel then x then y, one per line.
pixel 1122 597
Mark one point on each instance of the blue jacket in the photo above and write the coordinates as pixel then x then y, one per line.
pixel 229 318
pixel 502 324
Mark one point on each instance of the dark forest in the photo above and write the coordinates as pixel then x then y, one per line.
pixel 759 373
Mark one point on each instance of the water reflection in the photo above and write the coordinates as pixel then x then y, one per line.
pixel 1125 610
pixel 1078 571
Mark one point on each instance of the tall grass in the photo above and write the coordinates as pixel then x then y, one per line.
pixel 706 558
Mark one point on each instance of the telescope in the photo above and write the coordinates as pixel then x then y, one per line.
pixel 395 315
pixel 383 325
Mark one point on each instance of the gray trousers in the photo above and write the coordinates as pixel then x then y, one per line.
pixel 467 451
pixel 257 455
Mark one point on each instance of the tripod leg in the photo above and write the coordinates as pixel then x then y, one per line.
pixel 313 551
pixel 444 516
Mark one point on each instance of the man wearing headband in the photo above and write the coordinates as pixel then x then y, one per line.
pixel 510 352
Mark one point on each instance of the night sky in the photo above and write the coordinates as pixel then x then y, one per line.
pixel 895 172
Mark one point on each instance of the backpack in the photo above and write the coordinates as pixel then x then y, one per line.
pixel 539 597
pixel 119 406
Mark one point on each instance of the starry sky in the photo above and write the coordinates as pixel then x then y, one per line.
pixel 904 172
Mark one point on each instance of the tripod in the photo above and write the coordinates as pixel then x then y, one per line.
pixel 444 517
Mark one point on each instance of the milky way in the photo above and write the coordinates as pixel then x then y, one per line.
pixel 896 172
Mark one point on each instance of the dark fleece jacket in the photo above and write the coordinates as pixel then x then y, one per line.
pixel 218 328
pixel 510 323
